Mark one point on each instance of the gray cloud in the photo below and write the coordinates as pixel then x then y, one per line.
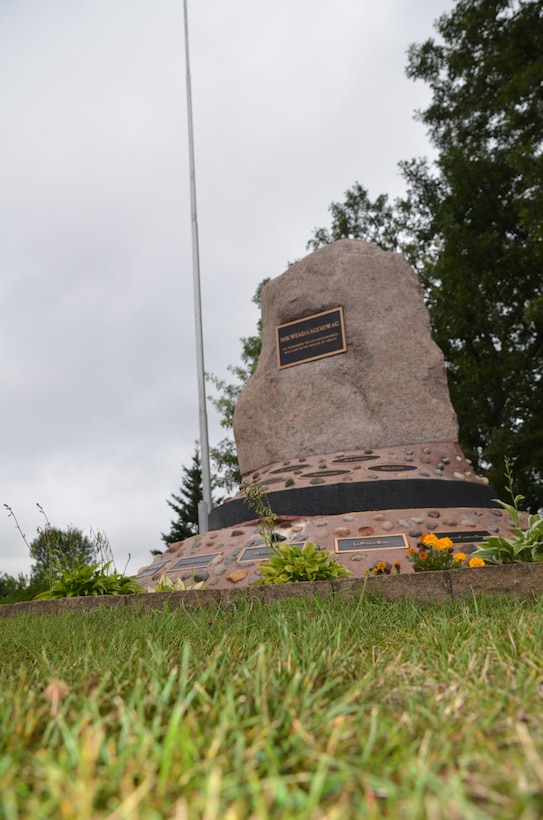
pixel 293 102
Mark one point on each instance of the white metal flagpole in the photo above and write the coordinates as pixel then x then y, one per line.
pixel 206 505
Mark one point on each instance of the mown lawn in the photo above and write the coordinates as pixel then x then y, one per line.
pixel 299 709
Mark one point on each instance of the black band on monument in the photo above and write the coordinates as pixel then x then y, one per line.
pixel 337 499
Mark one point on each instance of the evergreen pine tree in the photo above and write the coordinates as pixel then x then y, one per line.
pixel 185 505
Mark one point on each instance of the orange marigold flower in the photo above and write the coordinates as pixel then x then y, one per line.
pixel 460 556
pixel 476 562
pixel 430 539
pixel 381 566
pixel 411 551
pixel 423 555
pixel 443 544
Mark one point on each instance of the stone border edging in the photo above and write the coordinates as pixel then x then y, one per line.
pixel 518 580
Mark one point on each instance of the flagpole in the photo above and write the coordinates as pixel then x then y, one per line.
pixel 206 505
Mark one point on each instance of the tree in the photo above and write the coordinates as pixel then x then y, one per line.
pixel 472 225
pixel 224 456
pixel 22 588
pixel 55 550
pixel 185 505
pixel 485 285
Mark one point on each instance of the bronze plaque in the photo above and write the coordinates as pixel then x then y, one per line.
pixel 313 337
pixel 259 553
pixel 195 561
pixel 371 542
pixel 152 569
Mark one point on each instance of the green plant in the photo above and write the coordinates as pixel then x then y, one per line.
pixel 65 562
pixel 94 579
pixel 258 501
pixel 291 563
pixel 433 553
pixel 165 584
pixel 526 546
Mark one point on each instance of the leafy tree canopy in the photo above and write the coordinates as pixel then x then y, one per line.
pixel 21 588
pixel 472 225
pixel 54 551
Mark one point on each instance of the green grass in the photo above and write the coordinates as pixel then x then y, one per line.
pixel 299 709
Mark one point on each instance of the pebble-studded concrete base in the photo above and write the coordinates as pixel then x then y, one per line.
pixel 230 556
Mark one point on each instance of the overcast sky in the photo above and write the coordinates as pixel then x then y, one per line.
pixel 294 101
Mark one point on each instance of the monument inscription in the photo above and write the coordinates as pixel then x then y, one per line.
pixel 313 337
pixel 371 542
pixel 195 561
pixel 259 553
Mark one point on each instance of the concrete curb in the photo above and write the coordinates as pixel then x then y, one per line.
pixel 517 580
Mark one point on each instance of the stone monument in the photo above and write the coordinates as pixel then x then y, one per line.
pixel 348 424
pixel 387 387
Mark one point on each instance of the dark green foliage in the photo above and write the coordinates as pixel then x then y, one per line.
pixel 21 588
pixel 486 280
pixel 360 218
pixel 472 226
pixel 54 550
pixel 185 505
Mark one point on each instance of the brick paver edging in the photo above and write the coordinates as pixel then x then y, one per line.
pixel 518 580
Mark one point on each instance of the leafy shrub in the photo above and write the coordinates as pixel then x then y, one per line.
pixel 525 546
pixel 291 563
pixel 94 579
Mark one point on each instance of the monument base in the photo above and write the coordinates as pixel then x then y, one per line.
pixel 364 506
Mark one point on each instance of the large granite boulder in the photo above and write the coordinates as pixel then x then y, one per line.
pixel 389 387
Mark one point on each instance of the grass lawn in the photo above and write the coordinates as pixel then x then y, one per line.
pixel 299 709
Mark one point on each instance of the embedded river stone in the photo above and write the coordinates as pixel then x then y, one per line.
pixel 381 385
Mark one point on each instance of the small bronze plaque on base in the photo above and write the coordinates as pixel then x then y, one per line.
pixel 371 542
pixel 310 338
pixel 152 569
pixel 260 553
pixel 195 561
